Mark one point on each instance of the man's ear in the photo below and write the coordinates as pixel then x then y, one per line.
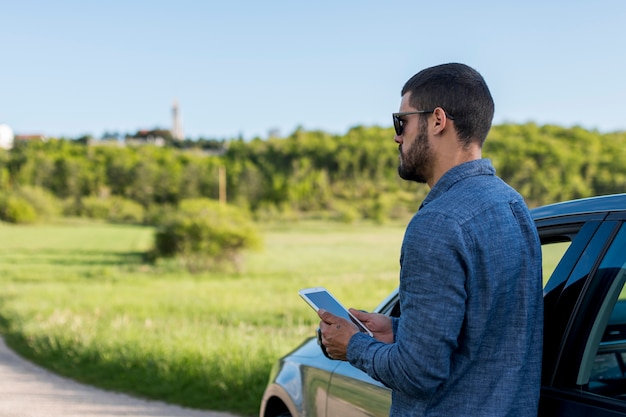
pixel 440 120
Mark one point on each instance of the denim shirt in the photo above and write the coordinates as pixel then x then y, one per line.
pixel 469 338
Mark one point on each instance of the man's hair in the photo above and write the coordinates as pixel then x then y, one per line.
pixel 461 91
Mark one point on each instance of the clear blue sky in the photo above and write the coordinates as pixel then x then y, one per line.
pixel 73 67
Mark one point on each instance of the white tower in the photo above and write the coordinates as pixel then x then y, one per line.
pixel 177 127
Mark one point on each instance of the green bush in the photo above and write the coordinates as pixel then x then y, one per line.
pixel 346 213
pixel 204 234
pixel 124 210
pixel 113 209
pixel 95 207
pixel 46 205
pixel 155 213
pixel 16 209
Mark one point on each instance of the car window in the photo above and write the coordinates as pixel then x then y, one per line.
pixel 551 255
pixel 563 246
pixel 603 367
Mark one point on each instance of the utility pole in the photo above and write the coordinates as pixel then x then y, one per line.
pixel 222 184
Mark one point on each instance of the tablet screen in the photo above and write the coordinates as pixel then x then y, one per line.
pixel 324 301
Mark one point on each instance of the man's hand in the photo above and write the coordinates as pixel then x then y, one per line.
pixel 379 324
pixel 337 331
pixel 336 334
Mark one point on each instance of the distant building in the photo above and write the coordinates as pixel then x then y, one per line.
pixel 6 137
pixel 143 137
pixel 31 138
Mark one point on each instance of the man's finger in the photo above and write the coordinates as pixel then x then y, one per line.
pixel 326 316
pixel 359 314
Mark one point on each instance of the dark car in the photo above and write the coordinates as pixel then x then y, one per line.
pixel 584 360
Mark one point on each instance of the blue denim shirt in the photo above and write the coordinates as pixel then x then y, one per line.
pixel 469 339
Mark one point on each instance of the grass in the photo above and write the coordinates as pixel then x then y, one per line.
pixel 78 299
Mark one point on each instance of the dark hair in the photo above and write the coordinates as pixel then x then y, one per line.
pixel 461 91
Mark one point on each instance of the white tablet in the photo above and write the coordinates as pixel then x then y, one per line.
pixel 320 298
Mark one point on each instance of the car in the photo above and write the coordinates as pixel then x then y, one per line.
pixel 584 359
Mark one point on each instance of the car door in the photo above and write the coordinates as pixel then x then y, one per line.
pixel 584 371
pixel 353 393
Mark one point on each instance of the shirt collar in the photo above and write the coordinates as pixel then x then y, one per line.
pixel 458 173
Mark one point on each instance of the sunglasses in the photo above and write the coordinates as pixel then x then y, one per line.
pixel 398 121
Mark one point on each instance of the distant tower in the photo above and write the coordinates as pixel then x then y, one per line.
pixel 177 127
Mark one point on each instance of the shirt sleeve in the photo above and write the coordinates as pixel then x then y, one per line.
pixel 432 304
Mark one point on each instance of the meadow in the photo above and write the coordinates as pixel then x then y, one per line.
pixel 78 298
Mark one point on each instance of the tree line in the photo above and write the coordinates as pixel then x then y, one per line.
pixel 308 173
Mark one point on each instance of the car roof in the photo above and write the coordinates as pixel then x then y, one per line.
pixel 599 204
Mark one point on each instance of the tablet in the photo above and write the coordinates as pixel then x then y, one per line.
pixel 319 297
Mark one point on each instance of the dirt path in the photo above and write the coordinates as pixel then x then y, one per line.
pixel 27 390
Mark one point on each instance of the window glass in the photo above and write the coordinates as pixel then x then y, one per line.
pixel 551 255
pixel 606 375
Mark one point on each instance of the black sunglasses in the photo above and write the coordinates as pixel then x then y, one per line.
pixel 398 121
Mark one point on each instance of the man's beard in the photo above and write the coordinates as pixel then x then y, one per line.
pixel 417 161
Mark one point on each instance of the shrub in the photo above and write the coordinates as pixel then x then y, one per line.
pixel 124 210
pixel 346 213
pixel 205 234
pixel 45 204
pixel 16 209
pixel 113 209
pixel 155 213
pixel 94 208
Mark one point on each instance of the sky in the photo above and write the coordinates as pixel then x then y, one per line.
pixel 244 68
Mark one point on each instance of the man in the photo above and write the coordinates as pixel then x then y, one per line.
pixel 469 338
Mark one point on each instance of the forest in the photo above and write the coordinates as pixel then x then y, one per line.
pixel 310 174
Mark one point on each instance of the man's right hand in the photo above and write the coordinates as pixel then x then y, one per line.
pixel 379 324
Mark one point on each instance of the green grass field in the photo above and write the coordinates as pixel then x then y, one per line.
pixel 78 299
